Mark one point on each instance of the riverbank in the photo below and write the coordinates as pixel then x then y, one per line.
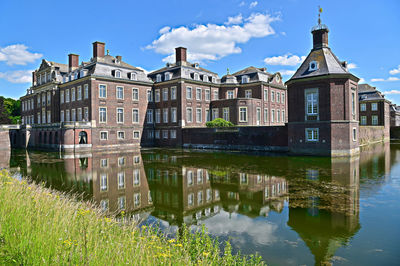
pixel 41 226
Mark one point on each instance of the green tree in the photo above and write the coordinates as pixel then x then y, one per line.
pixel 219 122
pixel 10 111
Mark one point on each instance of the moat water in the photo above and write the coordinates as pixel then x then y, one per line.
pixel 291 210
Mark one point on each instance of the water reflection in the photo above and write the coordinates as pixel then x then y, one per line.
pixel 244 196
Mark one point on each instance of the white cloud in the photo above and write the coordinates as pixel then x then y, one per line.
pixel 17 54
pixel 381 79
pixel 211 41
pixel 253 4
pixel 234 20
pixel 284 60
pixel 361 81
pixel 351 66
pixel 391 92
pixel 395 71
pixel 18 76
pixel 164 30
pixel 287 72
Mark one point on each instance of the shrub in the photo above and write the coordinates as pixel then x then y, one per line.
pixel 219 122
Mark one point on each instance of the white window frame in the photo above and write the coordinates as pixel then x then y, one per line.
pixel 117 74
pixel 158 116
pixel 119 90
pixel 374 106
pixel 79 93
pixel 158 78
pixel 246 114
pixel 363 107
pixel 199 111
pixel 189 93
pixel 225 113
pixel 105 91
pixel 173 93
pixel 165 115
pixel 150 116
pixel 136 132
pixel 86 91
pixel 135 121
pixel 189 119
pixel 100 120
pixel 122 136
pixel 314 102
pixel 157 96
pixel 106 135
pixel 165 94
pixel 248 94
pixel 199 91
pixel 149 95
pixel 174 114
pixel 172 134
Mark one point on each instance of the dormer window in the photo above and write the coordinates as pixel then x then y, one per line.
pixel 133 76
pixel 205 78
pixel 196 76
pixel 82 73
pixel 313 66
pixel 117 74
pixel 158 78
pixel 245 79
pixel 76 75
pixel 45 77
pixel 167 76
pixel 214 80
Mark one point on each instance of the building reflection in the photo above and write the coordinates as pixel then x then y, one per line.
pixel 320 194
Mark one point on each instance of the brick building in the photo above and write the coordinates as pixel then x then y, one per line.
pixel 322 101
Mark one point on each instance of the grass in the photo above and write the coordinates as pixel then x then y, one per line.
pixel 39 226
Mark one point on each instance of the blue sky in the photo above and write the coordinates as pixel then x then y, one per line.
pixel 219 34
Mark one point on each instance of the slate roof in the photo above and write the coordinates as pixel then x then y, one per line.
pixel 365 87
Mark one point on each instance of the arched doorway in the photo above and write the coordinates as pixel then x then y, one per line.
pixel 82 137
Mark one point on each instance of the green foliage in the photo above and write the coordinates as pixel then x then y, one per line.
pixel 39 226
pixel 10 111
pixel 219 122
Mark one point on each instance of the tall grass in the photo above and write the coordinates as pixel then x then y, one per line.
pixel 43 227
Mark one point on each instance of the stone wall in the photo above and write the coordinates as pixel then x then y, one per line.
pixel 4 139
pixel 370 134
pixel 237 138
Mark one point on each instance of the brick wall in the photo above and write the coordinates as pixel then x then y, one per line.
pixel 368 134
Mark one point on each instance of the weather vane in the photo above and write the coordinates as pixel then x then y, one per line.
pixel 319 15
pixel 227 71
pixel 108 51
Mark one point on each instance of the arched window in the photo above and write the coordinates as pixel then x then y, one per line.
pixel 245 79
pixel 167 76
pixel 158 78
pixel 196 76
pixel 82 137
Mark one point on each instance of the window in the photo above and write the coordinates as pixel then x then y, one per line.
pixel 198 115
pixel 278 114
pixel 103 182
pixel 363 107
pixel 245 79
pixel 229 94
pixel 121 180
pixel 165 94
pixel 312 134
pixel 38 100
pixel 158 116
pixel 136 134
pixel 265 115
pixel 73 115
pixel 121 203
pixel 207 95
pixel 117 74
pixel 48 117
pixel 190 179
pixel 167 76
pixel 173 93
pixel 242 114
pixel 66 96
pixel 248 94
pixel 102 115
pixel 165 134
pixel 121 134
pixel 79 93
pixel 158 78
pixel 120 93
pixel 61 98
pixel 374 106
pixel 136 177
pixel 265 95
pixel 283 97
pixel 272 116
pixel 207 115
pixel 133 76
pixel 157 96
pixel 354 134
pixel 283 116
pixel 198 94
pixel 188 93
pixel 196 76
pixel 272 96
pixel 313 66
pixel 120 115
pixel 79 114
pixel 38 118
pixel 311 102
pixel 173 115
pixel 149 96
pixel 353 105
pixel 278 97
pixel 48 98
pixel 103 135
pixel 86 114
pixel 225 113
pixel 165 115
pixel 258 115
pixel 149 116
pixel 374 120
pixel 67 116
pixel 363 120
pixel 135 115
pixel 62 116
pixel 215 95
pixel 73 96
pixel 86 91
pixel 190 199
pixel 157 134
pixel 215 113
pixel 189 116
pixel 205 78
pixel 102 91
pixel 172 134
pixel 136 199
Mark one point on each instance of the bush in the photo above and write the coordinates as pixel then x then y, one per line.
pixel 219 122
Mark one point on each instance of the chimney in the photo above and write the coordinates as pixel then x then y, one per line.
pixel 34 78
pixel 320 36
pixel 119 58
pixel 180 54
pixel 98 49
pixel 73 61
